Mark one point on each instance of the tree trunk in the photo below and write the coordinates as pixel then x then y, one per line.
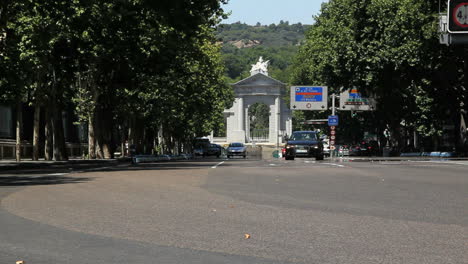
pixel 122 141
pixel 91 137
pixel 60 152
pixel 435 141
pixel 49 142
pixel 106 132
pixel 19 124
pixel 37 118
pixel 98 132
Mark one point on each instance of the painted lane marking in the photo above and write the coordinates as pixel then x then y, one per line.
pixel 57 174
pixel 215 166
pixel 333 164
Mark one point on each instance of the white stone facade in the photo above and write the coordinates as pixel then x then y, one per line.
pixel 258 88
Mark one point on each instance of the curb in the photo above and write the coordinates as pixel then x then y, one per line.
pixel 7 166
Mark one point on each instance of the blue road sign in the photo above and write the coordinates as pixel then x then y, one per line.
pixel 333 120
pixel 309 94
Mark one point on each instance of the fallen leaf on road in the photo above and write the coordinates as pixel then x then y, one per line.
pixel 247 236
pixel 19 262
pixel 231 206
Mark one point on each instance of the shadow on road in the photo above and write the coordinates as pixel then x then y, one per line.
pixel 43 175
pixel 40 180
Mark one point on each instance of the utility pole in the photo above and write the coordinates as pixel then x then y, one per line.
pixel 332 146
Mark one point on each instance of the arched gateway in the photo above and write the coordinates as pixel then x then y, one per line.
pixel 258 88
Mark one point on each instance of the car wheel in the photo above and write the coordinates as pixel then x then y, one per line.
pixel 320 157
pixel 244 156
pixel 289 157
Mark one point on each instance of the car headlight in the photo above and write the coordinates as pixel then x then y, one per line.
pixel 316 147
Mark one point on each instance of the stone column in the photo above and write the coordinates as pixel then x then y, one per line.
pixel 241 113
pixel 277 118
pixel 247 124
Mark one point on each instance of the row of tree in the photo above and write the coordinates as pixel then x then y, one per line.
pixel 146 69
pixel 389 49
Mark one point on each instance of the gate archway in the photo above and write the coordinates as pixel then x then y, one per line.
pixel 259 122
pixel 258 90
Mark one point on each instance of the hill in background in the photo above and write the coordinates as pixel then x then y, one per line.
pixel 244 44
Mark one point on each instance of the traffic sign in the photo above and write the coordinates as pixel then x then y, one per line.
pixel 333 120
pixel 333 127
pixel 333 132
pixel 458 16
pixel 309 97
pixel 352 100
pixel 333 137
pixel 332 142
pixel 332 147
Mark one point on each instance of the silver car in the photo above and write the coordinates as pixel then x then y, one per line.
pixel 236 149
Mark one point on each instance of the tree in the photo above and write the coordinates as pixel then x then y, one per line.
pixel 386 51
pixel 135 66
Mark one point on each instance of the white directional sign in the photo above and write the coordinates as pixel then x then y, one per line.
pixel 309 98
pixel 352 100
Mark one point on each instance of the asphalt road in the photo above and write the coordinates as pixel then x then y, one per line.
pixel 299 211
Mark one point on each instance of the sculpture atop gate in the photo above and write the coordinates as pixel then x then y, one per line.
pixel 260 67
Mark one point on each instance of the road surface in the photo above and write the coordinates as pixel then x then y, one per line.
pixel 302 211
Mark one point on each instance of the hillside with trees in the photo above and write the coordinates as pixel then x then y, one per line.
pixel 244 44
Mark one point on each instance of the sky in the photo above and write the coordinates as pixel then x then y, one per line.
pixel 272 11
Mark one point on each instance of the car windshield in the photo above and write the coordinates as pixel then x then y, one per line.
pixel 236 145
pixel 304 136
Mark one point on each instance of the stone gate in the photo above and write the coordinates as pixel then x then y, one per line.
pixel 258 88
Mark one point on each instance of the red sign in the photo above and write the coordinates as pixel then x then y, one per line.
pixel 458 16
pixel 332 142
pixel 333 127
pixel 333 132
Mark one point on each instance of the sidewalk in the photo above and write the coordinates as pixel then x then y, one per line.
pixel 367 159
pixel 10 164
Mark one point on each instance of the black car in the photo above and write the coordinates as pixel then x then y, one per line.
pixel 304 144
pixel 213 150
pixel 358 150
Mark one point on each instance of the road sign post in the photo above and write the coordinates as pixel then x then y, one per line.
pixel 333 125
pixel 332 140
